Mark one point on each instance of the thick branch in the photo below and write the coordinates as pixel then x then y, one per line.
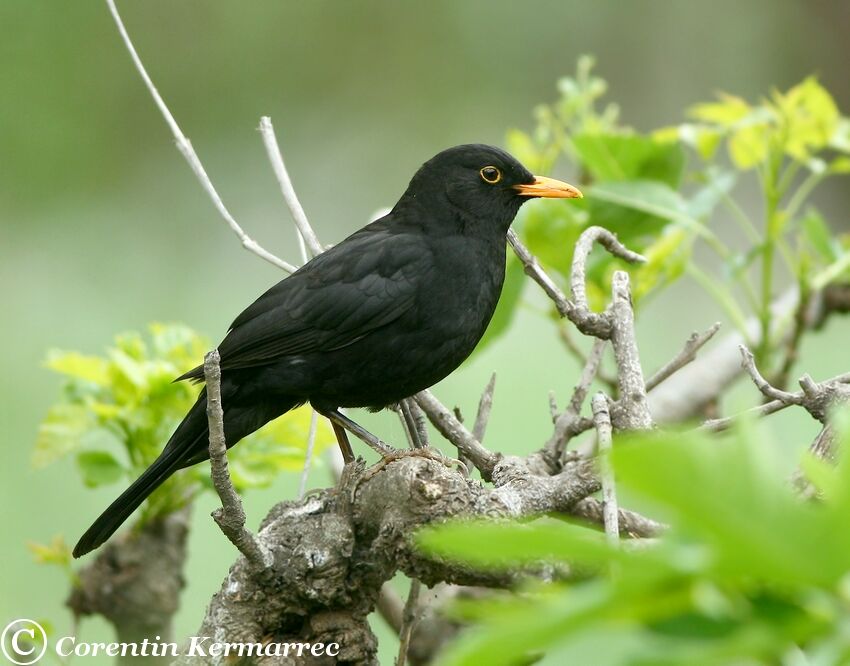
pixel 634 411
pixel 332 552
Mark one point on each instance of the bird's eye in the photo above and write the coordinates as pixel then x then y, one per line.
pixel 491 174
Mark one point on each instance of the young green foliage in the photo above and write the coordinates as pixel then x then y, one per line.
pixel 660 203
pixel 746 570
pixel 118 410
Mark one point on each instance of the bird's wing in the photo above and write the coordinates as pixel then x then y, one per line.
pixel 356 287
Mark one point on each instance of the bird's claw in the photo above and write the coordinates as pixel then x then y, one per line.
pixel 399 454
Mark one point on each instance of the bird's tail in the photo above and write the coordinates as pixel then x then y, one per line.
pixel 188 445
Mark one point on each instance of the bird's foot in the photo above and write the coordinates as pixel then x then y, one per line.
pixel 399 454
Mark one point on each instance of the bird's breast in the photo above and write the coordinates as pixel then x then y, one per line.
pixel 459 299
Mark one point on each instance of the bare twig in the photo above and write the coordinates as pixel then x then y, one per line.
pixel 587 321
pixel 631 524
pixel 535 272
pixel 602 420
pixel 485 406
pixel 308 455
pixel 230 517
pixel 408 620
pixel 799 397
pixel 454 431
pixel 276 158
pixel 768 391
pixel 185 148
pixel 589 372
pixel 719 425
pixel 695 342
pixel 554 412
pixel 564 334
pixel 566 423
pixel 391 607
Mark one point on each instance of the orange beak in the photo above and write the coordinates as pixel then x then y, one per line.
pixel 548 188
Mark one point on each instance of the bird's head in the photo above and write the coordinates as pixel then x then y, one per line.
pixel 480 182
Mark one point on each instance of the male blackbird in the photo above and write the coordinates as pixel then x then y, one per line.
pixel 387 312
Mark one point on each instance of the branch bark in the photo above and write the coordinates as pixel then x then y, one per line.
pixel 231 516
pixel 331 552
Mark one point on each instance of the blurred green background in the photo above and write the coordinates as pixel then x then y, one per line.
pixel 103 227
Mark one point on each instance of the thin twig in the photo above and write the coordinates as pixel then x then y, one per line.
pixel 694 343
pixel 185 148
pixel 408 620
pixel 390 607
pixel 287 190
pixel 554 412
pixel 308 456
pixel 566 423
pixel 535 272
pixel 587 321
pixel 564 334
pixel 602 420
pixel 768 408
pixel 770 392
pixel 454 431
pixel 588 373
pixel 485 406
pixel 631 524
pixel 230 517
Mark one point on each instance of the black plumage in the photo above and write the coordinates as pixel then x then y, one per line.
pixel 389 311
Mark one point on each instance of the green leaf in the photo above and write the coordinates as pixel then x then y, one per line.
pixel 726 112
pixel 660 204
pixel 810 116
pixel 550 232
pixel 819 236
pixel 840 165
pixel 609 157
pixel 741 471
pixel 60 432
pixel 720 184
pixel 749 145
pixel 512 543
pixel 666 260
pixel 56 552
pixel 840 139
pixel 73 364
pixel 99 468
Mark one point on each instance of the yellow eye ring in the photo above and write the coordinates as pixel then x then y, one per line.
pixel 491 174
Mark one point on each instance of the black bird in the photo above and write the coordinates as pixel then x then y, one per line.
pixel 389 311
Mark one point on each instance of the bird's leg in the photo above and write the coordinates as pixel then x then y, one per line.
pixel 341 423
pixel 344 444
